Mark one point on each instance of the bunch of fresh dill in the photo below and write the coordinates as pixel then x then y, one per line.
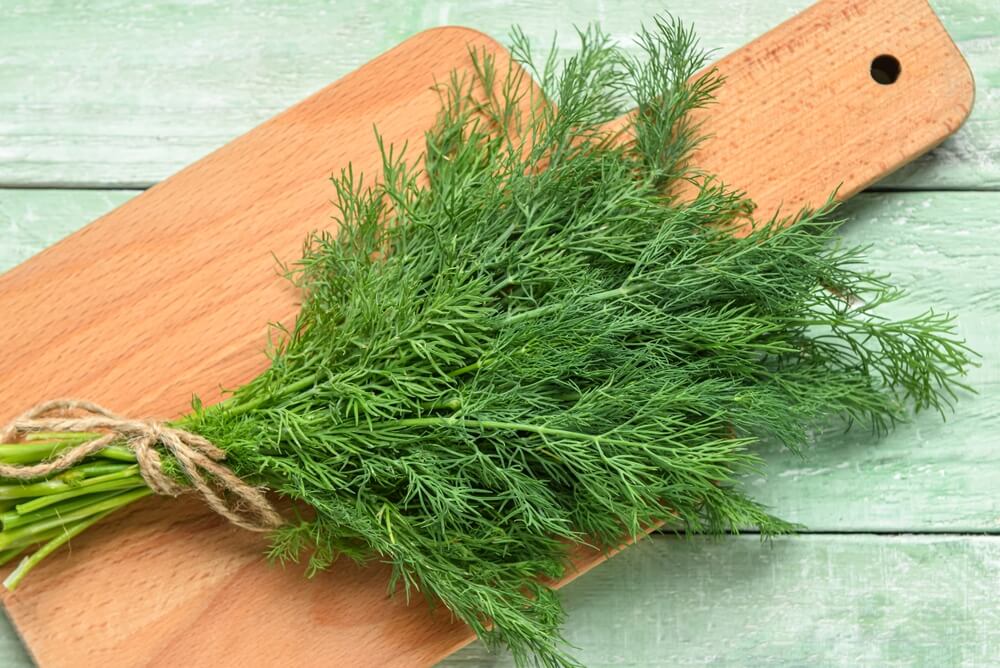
pixel 527 339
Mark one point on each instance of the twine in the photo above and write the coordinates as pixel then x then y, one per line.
pixel 195 455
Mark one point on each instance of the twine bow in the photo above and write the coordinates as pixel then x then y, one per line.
pixel 195 455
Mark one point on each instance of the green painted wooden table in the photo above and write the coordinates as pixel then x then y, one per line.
pixel 900 564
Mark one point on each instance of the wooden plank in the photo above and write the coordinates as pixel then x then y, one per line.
pixel 113 93
pixel 32 220
pixel 13 653
pixel 195 297
pixel 927 476
pixel 835 601
pixel 850 601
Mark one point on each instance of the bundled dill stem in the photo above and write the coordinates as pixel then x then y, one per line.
pixel 525 339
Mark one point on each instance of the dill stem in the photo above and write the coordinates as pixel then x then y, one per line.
pixel 60 436
pixel 33 451
pixel 117 453
pixel 27 534
pixel 128 482
pixel 57 486
pixel 55 543
pixel 466 369
pixel 234 407
pixel 607 295
pixel 449 404
pixel 7 555
pixel 511 426
pixel 505 283
pixel 91 470
pixel 35 539
pixel 19 518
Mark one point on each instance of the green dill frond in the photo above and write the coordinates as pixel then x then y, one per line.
pixel 522 339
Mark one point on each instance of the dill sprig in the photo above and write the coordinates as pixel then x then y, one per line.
pixel 495 360
pixel 529 337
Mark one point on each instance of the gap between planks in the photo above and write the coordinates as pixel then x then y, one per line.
pixel 139 187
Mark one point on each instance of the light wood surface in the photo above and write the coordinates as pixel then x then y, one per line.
pixel 189 315
pixel 800 115
pixel 105 93
pixel 804 602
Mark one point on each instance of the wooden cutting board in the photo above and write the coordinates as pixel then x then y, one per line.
pixel 171 294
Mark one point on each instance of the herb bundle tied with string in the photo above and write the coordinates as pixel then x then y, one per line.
pixel 540 332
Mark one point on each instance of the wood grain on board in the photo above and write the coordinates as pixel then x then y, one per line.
pixel 170 294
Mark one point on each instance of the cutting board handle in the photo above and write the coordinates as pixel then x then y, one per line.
pixel 835 98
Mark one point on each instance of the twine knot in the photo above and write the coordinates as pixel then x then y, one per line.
pixel 195 455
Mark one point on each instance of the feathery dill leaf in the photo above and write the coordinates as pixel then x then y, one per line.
pixel 524 339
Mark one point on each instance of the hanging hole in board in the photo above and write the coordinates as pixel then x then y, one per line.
pixel 885 69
